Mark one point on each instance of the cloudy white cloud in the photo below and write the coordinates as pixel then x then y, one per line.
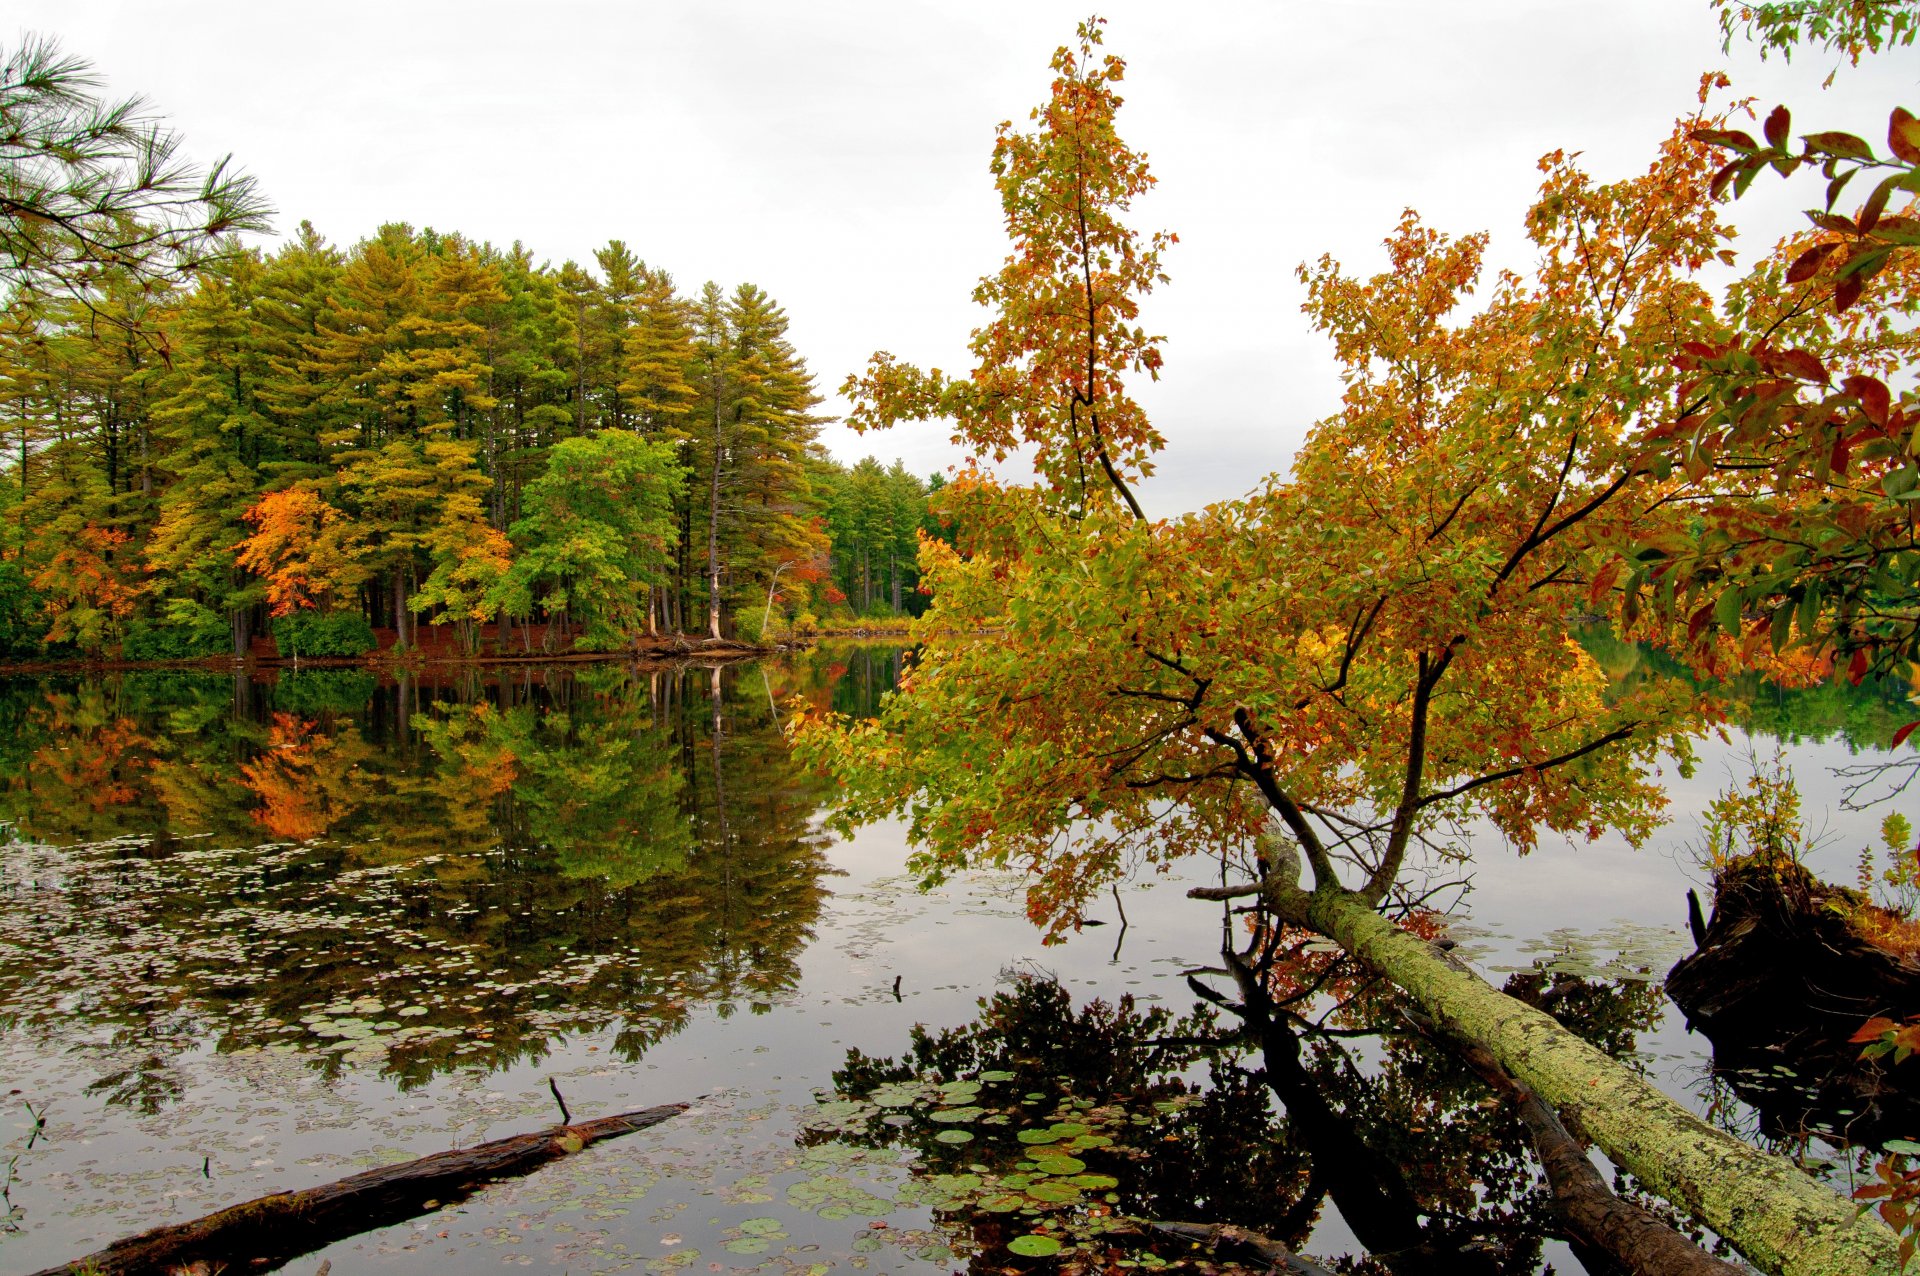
pixel 835 151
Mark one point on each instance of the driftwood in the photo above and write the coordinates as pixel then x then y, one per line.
pixel 1779 981
pixel 1234 1241
pixel 1634 1237
pixel 261 1234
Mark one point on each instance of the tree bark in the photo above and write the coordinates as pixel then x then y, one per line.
pixel 1631 1236
pixel 1778 1218
pixel 713 529
pixel 264 1233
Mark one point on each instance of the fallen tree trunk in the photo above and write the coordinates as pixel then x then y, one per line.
pixel 1779 1219
pixel 261 1234
pixel 1631 1236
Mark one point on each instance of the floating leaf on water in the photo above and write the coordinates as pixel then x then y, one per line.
pixel 762 1227
pixel 1003 1203
pixel 954 1136
pixel 1906 1147
pixel 1038 1136
pixel 956 1116
pixel 1031 1246
pixel 996 1075
pixel 1060 1164
pixel 1094 1182
pixel 1054 1193
pixel 746 1245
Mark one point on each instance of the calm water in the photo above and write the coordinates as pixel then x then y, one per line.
pixel 260 935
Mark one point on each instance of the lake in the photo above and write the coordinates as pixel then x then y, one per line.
pixel 263 933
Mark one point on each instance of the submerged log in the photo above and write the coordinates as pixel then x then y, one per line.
pixel 1778 1218
pixel 1234 1241
pixel 1627 1233
pixel 1782 976
pixel 261 1234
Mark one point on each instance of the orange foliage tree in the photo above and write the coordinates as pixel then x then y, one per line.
pixel 1367 652
pixel 308 552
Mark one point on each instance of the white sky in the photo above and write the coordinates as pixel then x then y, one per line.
pixel 835 151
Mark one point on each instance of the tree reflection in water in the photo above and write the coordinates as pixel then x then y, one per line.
pixel 458 872
pixel 1043 1133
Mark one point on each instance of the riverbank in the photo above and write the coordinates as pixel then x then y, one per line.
pixel 662 648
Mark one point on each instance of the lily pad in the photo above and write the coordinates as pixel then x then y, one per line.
pixel 1031 1246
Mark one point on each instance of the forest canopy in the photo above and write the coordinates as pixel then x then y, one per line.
pixel 421 428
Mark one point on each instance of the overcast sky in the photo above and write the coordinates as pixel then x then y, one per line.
pixel 835 152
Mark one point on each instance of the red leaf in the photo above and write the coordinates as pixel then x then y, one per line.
pixel 1872 396
pixel 1857 667
pixel 1841 454
pixel 1847 291
pixel 1776 127
pixel 1873 1029
pixel 1699 349
pixel 1604 580
pixel 1701 619
pixel 1718 186
pixel 1903 135
pixel 1845 145
pixel 1726 137
pixel 1807 264
pixel 1796 363
pixel 1900 736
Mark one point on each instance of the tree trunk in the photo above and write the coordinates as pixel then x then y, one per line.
pixel 1778 1218
pixel 1620 1230
pixel 399 608
pixel 713 535
pixel 270 1230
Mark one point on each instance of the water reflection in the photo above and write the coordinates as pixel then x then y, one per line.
pixel 1864 717
pixel 1043 1133
pixel 407 877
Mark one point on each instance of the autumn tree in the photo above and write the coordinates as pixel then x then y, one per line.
pixel 1323 681
pixel 307 552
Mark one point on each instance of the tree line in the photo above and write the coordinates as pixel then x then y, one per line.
pixel 423 428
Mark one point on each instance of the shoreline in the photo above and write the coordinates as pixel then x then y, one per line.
pixel 665 650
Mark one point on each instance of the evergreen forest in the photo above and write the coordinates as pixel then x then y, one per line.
pixel 419 434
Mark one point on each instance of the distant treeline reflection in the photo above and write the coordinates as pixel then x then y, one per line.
pixel 406 874
pixel 1865 717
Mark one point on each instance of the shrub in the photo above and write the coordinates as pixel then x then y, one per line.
pixel 23 625
pixel 159 640
pixel 309 692
pixel 310 634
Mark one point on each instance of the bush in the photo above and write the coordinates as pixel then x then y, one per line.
pixel 158 640
pixel 23 626
pixel 309 634
pixel 310 692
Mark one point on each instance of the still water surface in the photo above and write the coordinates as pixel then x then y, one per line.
pixel 259 935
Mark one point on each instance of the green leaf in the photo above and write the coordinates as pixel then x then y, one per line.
pixel 1031 1246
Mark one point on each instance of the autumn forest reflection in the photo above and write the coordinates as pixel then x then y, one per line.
pixel 409 875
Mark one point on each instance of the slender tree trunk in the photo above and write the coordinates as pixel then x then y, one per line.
pixel 713 532
pixel 399 608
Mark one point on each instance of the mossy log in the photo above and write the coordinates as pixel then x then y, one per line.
pixel 1623 1231
pixel 1782 1221
pixel 1779 982
pixel 261 1234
